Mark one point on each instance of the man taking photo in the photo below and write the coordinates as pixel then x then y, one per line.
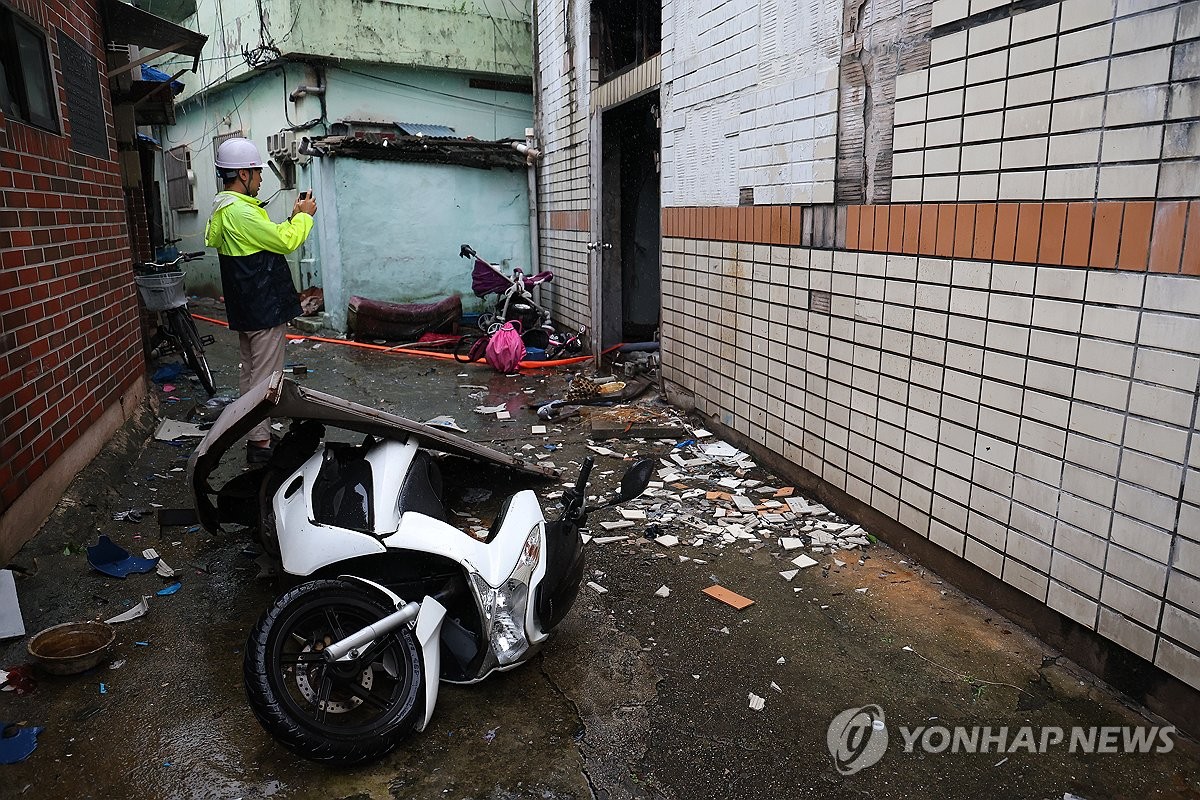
pixel 260 297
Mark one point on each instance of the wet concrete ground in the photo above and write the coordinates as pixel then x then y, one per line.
pixel 637 696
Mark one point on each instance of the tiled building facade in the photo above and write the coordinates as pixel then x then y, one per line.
pixel 1000 354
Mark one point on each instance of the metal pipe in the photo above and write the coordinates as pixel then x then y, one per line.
pixel 300 91
pixel 531 154
pixel 340 649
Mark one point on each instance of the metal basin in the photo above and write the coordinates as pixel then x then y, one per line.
pixel 72 647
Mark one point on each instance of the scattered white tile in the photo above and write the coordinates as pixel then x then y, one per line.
pixel 788 574
pixel 731 483
pixel 700 433
pixel 803 561
pixel 609 539
pixel 757 703
pixel 633 513
pixel 839 562
pixel 663 591
pixel 597 588
pixel 503 415
pixel 775 686
pixel 538 429
pixel 791 542
pixel 617 525
pixel 667 540
pixel 863 590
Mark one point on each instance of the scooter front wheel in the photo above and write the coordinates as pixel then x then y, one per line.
pixel 346 712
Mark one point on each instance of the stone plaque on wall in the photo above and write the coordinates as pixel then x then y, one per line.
pixel 85 105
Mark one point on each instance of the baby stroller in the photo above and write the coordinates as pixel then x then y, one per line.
pixel 509 298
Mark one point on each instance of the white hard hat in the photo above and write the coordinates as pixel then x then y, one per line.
pixel 238 153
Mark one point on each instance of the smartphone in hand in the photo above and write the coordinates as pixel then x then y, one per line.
pixel 306 194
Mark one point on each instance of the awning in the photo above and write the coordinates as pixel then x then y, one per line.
pixel 124 24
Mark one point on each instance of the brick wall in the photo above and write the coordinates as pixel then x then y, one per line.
pixel 70 343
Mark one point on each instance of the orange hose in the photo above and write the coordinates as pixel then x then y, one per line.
pixel 444 356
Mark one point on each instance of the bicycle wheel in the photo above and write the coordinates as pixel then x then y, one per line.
pixel 189 344
pixel 471 349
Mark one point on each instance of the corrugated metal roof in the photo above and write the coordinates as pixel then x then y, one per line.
pixel 421 129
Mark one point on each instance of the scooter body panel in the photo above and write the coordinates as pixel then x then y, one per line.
pixel 304 545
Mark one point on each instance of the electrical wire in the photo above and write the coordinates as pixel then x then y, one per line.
pixel 427 90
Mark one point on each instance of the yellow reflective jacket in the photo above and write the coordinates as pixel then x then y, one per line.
pixel 256 280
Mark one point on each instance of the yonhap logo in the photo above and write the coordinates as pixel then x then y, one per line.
pixel 857 738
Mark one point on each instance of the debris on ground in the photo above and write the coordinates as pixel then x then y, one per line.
pixel 757 703
pixel 16 743
pixel 163 569
pixel 171 429
pixel 728 597
pixel 445 421
pixel 115 561
pixel 172 589
pixel 134 612
pixel 11 621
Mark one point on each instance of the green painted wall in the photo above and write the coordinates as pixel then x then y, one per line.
pixel 400 226
pixel 491 38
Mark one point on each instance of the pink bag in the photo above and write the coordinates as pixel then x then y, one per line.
pixel 506 349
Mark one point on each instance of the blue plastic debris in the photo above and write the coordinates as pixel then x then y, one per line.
pixel 685 443
pixel 142 644
pixel 103 689
pixel 115 561
pixel 172 589
pixel 166 372
pixel 17 747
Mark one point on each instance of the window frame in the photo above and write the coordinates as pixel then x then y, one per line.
pixel 17 83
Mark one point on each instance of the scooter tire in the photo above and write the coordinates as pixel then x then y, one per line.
pixel 330 731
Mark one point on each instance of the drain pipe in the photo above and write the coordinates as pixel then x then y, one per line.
pixel 531 153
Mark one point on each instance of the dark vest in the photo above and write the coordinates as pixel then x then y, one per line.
pixel 259 293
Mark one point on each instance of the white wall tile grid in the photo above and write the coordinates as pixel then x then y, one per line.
pixel 1078 100
pixel 750 99
pixel 1059 454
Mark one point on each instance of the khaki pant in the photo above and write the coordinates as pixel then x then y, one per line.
pixel 262 354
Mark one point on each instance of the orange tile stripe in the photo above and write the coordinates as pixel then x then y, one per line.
pixel 1161 236
pixel 782 225
pixel 568 221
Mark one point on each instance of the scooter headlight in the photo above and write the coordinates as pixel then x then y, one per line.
pixel 505 606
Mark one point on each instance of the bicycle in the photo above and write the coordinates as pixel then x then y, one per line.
pixel 160 286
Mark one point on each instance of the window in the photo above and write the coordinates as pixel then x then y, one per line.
pixel 180 184
pixel 26 87
pixel 628 32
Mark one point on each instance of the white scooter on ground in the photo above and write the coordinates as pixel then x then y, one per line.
pixel 346 663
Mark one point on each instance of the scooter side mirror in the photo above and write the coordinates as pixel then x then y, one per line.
pixel 635 480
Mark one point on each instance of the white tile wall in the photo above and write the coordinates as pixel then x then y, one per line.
pixel 1106 76
pixel 1035 420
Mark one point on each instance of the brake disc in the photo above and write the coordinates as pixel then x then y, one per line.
pixel 366 680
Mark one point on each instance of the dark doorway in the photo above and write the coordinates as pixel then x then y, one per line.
pixel 630 217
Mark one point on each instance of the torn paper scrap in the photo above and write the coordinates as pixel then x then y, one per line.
pixel 133 613
pixel 734 599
